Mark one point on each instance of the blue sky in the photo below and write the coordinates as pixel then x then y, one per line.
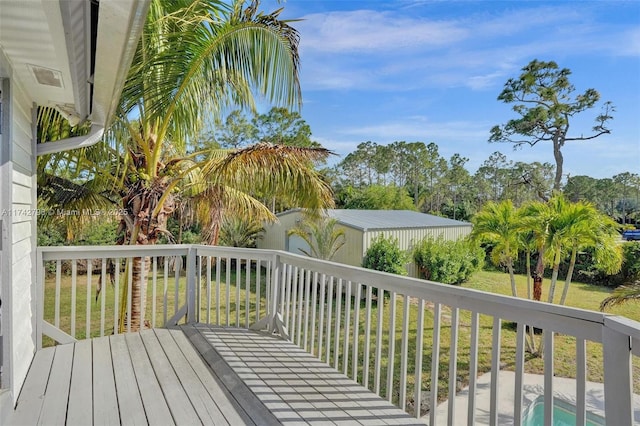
pixel 431 71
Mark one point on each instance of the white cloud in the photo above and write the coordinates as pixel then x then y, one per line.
pixel 419 128
pixel 382 50
pixel 367 30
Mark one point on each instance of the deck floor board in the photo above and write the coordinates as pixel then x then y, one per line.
pixel 32 394
pixel 81 392
pixel 193 374
pixel 54 406
pixel 105 400
pixel 129 400
pixel 181 408
pixel 155 405
pixel 206 407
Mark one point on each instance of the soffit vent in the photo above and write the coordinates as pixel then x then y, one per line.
pixel 46 76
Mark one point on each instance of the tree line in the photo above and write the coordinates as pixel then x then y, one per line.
pixel 415 175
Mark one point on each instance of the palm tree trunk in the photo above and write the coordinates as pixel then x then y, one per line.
pixel 531 341
pixel 138 292
pixel 554 279
pixel 139 277
pixel 528 260
pixel 537 276
pixel 572 264
pixel 554 274
pixel 514 290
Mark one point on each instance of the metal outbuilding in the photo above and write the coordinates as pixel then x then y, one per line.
pixel 361 227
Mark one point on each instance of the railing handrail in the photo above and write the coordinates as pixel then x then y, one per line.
pixel 619 336
pixel 579 322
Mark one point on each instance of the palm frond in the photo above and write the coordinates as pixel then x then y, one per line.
pixel 622 294
pixel 276 170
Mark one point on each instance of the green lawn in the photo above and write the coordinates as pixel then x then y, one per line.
pixel 580 295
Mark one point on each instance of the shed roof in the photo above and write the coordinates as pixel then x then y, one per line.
pixel 367 220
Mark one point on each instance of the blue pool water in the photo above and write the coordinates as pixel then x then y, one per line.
pixel 564 414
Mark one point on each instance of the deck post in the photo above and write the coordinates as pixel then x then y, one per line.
pixel 618 389
pixel 192 314
pixel 273 321
pixel 39 295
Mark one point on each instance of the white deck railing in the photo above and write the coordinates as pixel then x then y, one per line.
pixel 346 316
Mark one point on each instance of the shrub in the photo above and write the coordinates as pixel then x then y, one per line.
pixel 449 262
pixel 631 265
pixel 586 271
pixel 384 254
pixel 240 232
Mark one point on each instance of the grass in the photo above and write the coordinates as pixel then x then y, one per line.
pixel 94 320
pixel 580 295
pixel 232 300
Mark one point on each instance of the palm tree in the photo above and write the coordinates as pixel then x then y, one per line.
pixel 321 235
pixel 194 59
pixel 536 218
pixel 622 294
pixel 587 227
pixel 498 223
pixel 561 228
pixel 501 224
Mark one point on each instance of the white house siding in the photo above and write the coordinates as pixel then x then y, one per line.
pixel 18 199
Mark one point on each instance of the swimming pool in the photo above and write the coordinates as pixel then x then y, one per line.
pixel 564 414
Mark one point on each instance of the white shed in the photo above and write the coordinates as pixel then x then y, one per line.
pixel 74 56
pixel 361 227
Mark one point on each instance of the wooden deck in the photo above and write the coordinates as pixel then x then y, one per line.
pixel 193 375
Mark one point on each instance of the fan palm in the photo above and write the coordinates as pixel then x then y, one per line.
pixel 196 58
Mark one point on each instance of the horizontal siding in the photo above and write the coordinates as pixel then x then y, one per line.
pixel 20 250
pixel 23 347
pixel 21 178
pixel 21 231
pixel 21 194
pixel 22 209
pixel 23 277
pixel 21 134
pixel 21 158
